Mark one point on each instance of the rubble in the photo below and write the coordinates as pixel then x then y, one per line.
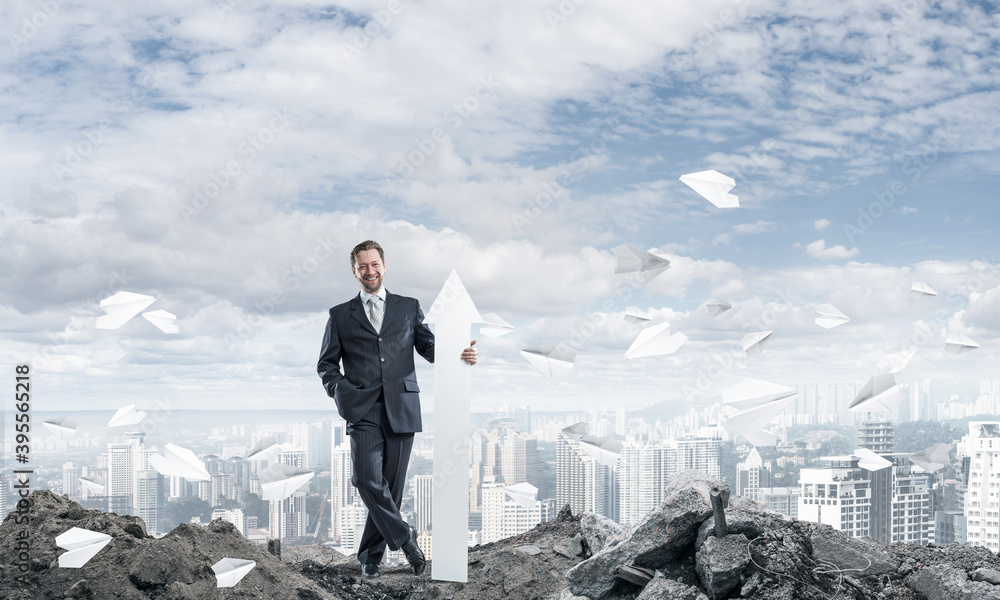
pixel 673 553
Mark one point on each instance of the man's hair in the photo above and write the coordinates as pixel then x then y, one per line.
pixel 366 245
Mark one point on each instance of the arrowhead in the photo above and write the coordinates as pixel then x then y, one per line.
pixel 453 304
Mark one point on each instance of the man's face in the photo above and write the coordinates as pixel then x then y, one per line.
pixel 369 270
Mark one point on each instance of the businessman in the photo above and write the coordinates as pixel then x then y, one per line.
pixel 375 334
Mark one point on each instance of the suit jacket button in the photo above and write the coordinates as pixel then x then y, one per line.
pixel 382 359
pixel 380 339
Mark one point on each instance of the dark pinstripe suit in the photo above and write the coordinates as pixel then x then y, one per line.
pixel 377 395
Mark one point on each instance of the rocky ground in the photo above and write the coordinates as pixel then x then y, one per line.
pixel 673 554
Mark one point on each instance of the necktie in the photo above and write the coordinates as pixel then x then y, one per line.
pixel 375 314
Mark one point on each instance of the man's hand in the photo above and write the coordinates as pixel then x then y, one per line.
pixel 470 354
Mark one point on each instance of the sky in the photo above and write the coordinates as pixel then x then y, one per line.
pixel 224 157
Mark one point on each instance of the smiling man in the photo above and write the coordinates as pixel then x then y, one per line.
pixel 375 334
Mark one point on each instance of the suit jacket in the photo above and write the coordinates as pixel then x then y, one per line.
pixel 376 362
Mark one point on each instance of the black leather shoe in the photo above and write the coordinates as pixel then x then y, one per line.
pixel 413 554
pixel 370 571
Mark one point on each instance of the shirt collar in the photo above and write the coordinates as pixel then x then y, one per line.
pixel 365 296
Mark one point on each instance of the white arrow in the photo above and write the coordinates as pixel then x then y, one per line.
pixel 452 315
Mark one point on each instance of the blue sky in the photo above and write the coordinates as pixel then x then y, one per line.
pixel 205 151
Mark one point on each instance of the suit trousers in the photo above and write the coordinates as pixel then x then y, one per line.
pixel 380 459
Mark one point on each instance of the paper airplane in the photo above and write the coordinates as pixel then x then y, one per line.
pixel 120 308
pixel 265 449
pixel 879 393
pixel 758 402
pixel 829 317
pixel 229 571
pixel 753 343
pixel 633 315
pixel 604 450
pixel 82 545
pixel 494 326
pixel 717 307
pixel 920 289
pixel 554 359
pixel 278 481
pixel 655 340
pixel 126 415
pixel 525 494
pixel 162 319
pixel 179 462
pixel 63 427
pixel 714 187
pixel 634 260
pixel 959 343
pixel 95 485
pixel 895 362
pixel 870 461
pixel 932 459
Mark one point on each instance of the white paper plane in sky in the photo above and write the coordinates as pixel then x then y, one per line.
pixel 525 494
pixel 879 394
pixel 959 343
pixel 266 448
pixel 920 289
pixel 932 459
pixel 640 262
pixel 127 415
pixel 163 320
pixel 753 343
pixel 120 308
pixel 555 359
pixel 278 481
pixel 714 187
pixel 829 317
pixel 229 571
pixel 634 315
pixel 870 461
pixel 494 326
pixel 655 340
pixel 62 427
pixel 96 485
pixel 179 462
pixel 758 403
pixel 82 545
pixel 895 362
pixel 717 307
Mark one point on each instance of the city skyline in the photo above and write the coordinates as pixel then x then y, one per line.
pixel 223 158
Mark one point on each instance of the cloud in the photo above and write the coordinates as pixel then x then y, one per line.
pixel 722 238
pixel 818 249
pixel 906 210
pixel 821 224
pixel 758 227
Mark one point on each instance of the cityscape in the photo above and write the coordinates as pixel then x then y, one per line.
pixel 925 473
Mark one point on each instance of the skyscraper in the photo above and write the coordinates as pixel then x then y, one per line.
pixel 423 498
pixel 582 480
pixel 982 504
pixel 506 516
pixel 751 475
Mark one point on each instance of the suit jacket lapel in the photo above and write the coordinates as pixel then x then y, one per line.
pixel 359 314
pixel 391 302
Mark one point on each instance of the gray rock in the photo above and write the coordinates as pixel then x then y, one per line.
pixel 599 531
pixel 740 518
pixel 569 547
pixel 720 563
pixel 990 576
pixel 843 552
pixel 942 582
pixel 530 550
pixel 659 539
pixel 662 587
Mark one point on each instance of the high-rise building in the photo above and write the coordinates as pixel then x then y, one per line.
pixel 232 515
pixel 342 492
pixel 71 480
pixel 423 498
pixel 645 468
pixel 843 494
pixel 751 475
pixel 506 515
pixel 121 477
pixel 982 498
pixel 583 479
pixel 288 519
pixel 352 525
pixel 784 500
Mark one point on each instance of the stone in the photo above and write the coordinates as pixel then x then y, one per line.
pixel 720 563
pixel 599 531
pixel 943 582
pixel 662 587
pixel 663 536
pixel 833 547
pixel 990 576
pixel 530 550
pixel 569 547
